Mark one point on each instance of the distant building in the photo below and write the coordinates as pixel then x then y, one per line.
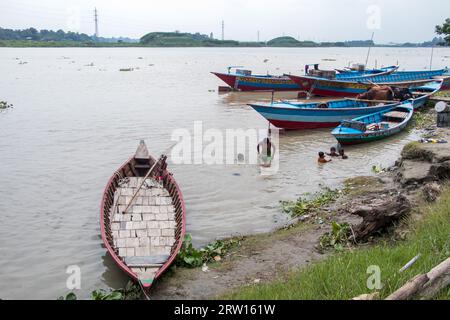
pixel 211 35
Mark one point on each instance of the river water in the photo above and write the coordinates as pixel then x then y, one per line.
pixel 77 118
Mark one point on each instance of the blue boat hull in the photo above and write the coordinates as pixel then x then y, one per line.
pixel 352 87
pixel 298 118
pixel 346 136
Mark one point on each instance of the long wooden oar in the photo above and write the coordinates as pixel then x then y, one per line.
pixel 140 186
pixel 145 178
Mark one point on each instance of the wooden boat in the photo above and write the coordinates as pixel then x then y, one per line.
pixel 352 86
pixel 445 81
pixel 143 217
pixel 244 80
pixel 342 74
pixel 312 115
pixel 375 126
pixel 300 116
pixel 241 81
pixel 358 68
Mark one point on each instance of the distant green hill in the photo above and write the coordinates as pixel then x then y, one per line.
pixel 32 37
pixel 180 39
pixel 283 42
pixel 290 42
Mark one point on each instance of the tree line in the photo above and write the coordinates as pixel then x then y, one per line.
pixel 43 35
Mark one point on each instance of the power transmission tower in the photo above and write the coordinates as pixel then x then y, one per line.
pixel 96 22
pixel 223 30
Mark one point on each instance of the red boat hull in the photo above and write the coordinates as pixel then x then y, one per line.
pixel 294 125
pixel 229 79
pixel 258 83
pixel 106 204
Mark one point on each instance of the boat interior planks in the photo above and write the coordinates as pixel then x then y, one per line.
pixel 144 234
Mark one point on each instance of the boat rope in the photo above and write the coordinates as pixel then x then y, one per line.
pixel 310 92
pixel 147 297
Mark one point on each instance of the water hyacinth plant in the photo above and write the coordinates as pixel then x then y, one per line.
pixel 190 257
pixel 337 238
pixel 5 105
pixel 306 204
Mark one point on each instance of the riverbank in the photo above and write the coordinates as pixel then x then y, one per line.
pixel 344 275
pixel 291 263
pixel 190 44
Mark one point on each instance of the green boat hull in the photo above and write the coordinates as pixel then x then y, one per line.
pixel 358 140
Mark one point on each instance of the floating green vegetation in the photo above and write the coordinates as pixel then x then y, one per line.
pixel 190 257
pixel 309 203
pixel 5 105
pixel 378 169
pixel 337 238
pixel 69 296
pixel 131 291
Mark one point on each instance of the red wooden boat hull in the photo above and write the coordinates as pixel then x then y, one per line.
pixel 106 204
pixel 294 125
pixel 257 83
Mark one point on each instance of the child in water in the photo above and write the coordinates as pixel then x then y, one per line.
pixel 322 158
pixel 342 154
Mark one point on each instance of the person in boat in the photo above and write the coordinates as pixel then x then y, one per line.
pixel 322 158
pixel 266 150
pixel 342 154
pixel 333 152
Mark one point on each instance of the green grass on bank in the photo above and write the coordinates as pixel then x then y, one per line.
pixel 445 94
pixel 344 275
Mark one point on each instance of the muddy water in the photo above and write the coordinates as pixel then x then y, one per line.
pixel 77 118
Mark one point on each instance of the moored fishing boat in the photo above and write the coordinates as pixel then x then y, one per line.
pixel 352 86
pixel 312 115
pixel 244 80
pixel 142 217
pixel 299 116
pixel 341 74
pixel 375 126
pixel 445 81
pixel 358 68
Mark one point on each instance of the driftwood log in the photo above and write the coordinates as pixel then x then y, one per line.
pixel 379 213
pixel 369 296
pixel 425 286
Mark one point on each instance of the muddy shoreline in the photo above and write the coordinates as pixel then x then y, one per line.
pixel 415 178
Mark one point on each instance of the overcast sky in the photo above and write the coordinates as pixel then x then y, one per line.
pixel 318 20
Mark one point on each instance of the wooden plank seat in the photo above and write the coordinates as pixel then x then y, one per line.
pixel 417 93
pixel 391 124
pixel 146 261
pixel 142 166
pixel 396 114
